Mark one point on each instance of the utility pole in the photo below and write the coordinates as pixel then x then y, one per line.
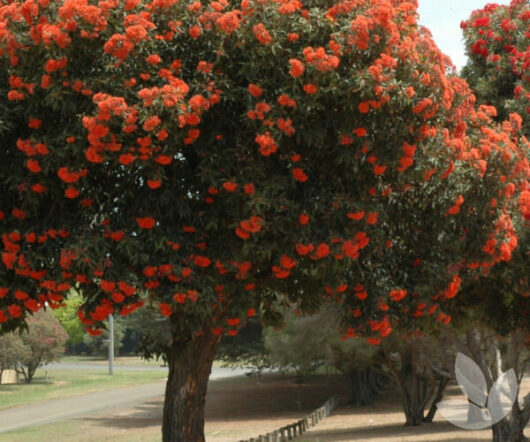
pixel 111 345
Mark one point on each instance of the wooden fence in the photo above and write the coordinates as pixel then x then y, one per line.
pixel 289 432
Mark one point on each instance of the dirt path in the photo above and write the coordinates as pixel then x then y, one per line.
pixel 383 422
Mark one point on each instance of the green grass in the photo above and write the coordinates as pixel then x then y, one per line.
pixel 69 430
pixel 63 383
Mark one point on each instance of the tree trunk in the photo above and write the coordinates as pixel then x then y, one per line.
pixel 190 365
pixel 510 429
pixel 413 411
pixel 413 403
pixel 31 372
pixel 19 368
pixel 364 386
pixel 501 432
pixel 442 383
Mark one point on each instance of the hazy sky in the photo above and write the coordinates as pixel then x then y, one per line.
pixel 443 18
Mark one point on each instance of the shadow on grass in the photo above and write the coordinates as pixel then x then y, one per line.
pixel 145 415
pixel 232 400
pixel 39 380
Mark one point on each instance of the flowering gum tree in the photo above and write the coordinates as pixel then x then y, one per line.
pixel 497 40
pixel 498 67
pixel 217 160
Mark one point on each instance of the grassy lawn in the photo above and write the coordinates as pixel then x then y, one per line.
pixel 62 383
pixel 69 430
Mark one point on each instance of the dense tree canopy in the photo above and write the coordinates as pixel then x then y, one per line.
pixel 218 159
pixel 162 156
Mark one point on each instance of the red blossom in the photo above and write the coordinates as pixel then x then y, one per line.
pixel 299 174
pixel 230 186
pixel 146 222
pixel 297 67
pixel 357 216
pixel 398 295
pixel 33 166
pixel 303 219
pixel 71 192
pixel 202 261
pixel 262 35
pixel 165 309
pixel 255 90
pixel 287 262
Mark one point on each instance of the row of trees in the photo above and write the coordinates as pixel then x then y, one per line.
pixel 420 365
pixel 221 161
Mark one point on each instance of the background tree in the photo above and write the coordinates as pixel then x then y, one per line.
pixel 67 316
pixel 147 332
pixel 129 331
pixel 246 349
pixel 497 306
pixel 361 363
pixel 43 342
pixel 496 39
pixel 297 346
pixel 12 349
pixel 421 365
pixel 220 161
pixel 306 343
pixel 99 345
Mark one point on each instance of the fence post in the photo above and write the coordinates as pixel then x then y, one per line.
pixel 290 432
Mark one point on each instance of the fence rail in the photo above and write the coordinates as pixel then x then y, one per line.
pixel 289 432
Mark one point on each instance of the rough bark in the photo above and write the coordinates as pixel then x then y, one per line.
pixel 414 400
pixel 501 432
pixel 365 386
pixel 512 428
pixel 190 365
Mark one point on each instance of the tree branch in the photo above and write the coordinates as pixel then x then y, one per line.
pixel 437 369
